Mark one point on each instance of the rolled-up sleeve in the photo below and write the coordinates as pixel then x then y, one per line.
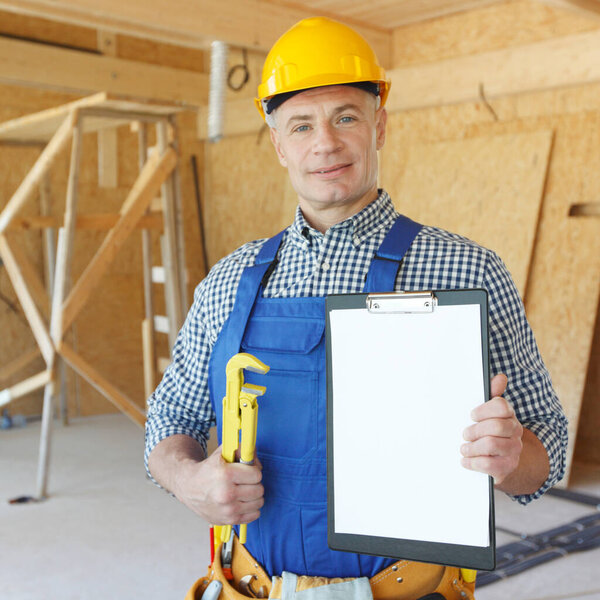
pixel 514 352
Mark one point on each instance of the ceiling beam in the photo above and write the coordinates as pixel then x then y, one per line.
pixel 82 73
pixel 561 62
pixel 193 23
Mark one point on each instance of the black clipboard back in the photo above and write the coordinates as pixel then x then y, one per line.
pixel 481 557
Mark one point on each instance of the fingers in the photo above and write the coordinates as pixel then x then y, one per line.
pixel 496 408
pixel 498 427
pixel 498 385
pixel 494 441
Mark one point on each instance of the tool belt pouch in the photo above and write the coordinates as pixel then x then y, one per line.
pixel 404 580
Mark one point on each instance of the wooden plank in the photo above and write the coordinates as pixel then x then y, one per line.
pixel 75 72
pixel 36 322
pixel 170 250
pixel 585 209
pixel 240 23
pixel 90 222
pixel 572 60
pixel 102 385
pixel 14 366
pixel 148 357
pixel 35 382
pixel 37 172
pixel 178 214
pixel 32 280
pixel 41 126
pixel 156 170
pixel 62 270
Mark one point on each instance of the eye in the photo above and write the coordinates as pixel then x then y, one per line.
pixel 347 119
pixel 300 129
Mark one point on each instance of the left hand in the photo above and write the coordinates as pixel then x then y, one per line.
pixel 494 442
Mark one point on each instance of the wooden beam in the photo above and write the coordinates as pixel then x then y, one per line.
pixel 32 280
pixel 36 322
pixel 255 25
pixel 154 173
pixel 566 61
pixel 102 385
pixel 25 387
pixel 37 172
pixel 108 164
pixel 75 72
pixel 94 222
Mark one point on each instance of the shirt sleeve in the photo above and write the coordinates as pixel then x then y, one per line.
pixel 514 352
pixel 181 403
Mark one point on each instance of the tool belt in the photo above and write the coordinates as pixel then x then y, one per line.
pixel 404 580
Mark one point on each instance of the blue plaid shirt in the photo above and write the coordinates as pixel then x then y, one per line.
pixel 312 263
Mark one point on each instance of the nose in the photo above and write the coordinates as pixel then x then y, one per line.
pixel 326 139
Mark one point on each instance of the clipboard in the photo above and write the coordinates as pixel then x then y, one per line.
pixel 404 370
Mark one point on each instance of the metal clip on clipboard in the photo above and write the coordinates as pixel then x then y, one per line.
pixel 401 302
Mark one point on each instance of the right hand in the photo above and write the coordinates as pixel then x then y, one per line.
pixel 220 492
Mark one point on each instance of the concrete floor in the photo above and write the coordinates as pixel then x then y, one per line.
pixel 107 533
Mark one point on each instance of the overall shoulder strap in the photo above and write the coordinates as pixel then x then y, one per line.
pixel 248 289
pixel 388 258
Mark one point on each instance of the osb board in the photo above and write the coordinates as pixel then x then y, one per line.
pixel 483 30
pixel 488 189
pixel 245 194
pixel 587 448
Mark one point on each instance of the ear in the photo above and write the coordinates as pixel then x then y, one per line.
pixel 380 124
pixel 275 141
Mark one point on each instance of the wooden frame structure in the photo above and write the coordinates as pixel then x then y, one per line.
pixel 51 312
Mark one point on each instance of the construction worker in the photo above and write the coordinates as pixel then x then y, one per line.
pixel 323 97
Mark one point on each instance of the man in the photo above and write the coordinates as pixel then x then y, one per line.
pixel 323 96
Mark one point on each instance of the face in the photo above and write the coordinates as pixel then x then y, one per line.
pixel 328 138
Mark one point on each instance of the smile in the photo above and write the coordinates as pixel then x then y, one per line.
pixel 334 170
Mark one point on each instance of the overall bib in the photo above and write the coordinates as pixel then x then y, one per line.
pixel 288 335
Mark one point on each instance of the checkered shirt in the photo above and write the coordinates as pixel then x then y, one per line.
pixel 312 263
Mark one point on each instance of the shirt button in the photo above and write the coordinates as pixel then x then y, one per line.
pixel 325 265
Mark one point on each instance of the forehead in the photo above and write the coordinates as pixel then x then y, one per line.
pixel 329 96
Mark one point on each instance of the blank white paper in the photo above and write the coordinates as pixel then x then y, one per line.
pixel 403 389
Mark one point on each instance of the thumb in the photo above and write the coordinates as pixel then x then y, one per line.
pixel 498 385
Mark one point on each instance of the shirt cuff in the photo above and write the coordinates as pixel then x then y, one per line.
pixel 556 450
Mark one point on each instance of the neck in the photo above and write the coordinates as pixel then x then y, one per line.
pixel 322 218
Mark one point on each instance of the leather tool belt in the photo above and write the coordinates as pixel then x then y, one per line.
pixel 404 580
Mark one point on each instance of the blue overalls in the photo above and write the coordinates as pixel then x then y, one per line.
pixel 288 335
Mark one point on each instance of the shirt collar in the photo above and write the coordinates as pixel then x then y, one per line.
pixel 377 215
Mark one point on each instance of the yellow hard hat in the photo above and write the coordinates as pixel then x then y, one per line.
pixel 317 52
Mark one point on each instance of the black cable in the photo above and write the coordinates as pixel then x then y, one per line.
pixel 246 73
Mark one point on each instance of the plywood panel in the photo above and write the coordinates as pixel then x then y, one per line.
pixel 245 194
pixel 488 189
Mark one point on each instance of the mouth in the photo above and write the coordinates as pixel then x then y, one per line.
pixel 332 171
